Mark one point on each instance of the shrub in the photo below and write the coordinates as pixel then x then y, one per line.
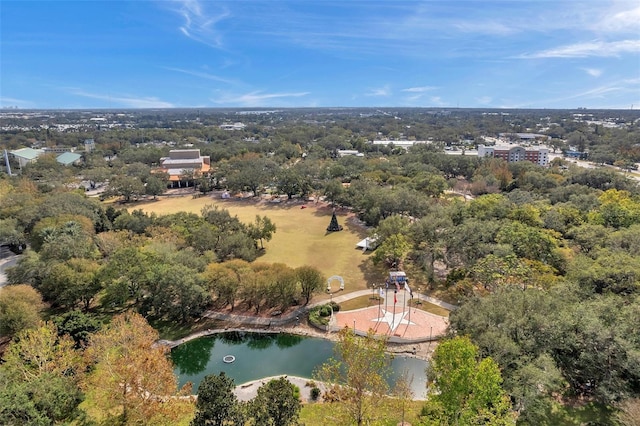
pixel 315 393
pixel 316 318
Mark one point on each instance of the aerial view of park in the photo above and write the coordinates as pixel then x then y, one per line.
pixel 290 213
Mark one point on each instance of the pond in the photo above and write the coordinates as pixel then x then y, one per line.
pixel 259 355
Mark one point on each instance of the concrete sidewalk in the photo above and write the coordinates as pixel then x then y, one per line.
pixel 248 391
pixel 295 315
pixel 376 292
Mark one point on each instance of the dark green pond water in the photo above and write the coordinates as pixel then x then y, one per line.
pixel 263 355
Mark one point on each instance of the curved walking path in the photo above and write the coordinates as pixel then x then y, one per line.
pixel 359 293
pixel 246 323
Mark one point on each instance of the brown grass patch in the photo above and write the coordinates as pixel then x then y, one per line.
pixel 300 238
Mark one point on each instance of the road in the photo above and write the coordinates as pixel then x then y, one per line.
pixel 7 259
pixel 5 263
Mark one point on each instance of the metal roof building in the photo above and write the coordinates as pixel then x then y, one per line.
pixel 26 155
pixel 68 158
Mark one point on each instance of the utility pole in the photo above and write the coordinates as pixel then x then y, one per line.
pixel 393 321
pixel 6 159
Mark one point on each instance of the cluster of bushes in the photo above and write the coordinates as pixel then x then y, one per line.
pixel 320 315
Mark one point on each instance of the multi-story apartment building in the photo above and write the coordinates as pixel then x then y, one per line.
pixel 512 154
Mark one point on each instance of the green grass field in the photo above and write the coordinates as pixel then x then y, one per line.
pixel 300 237
pixel 366 301
pixel 316 414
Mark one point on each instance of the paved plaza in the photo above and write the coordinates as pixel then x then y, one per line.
pixel 393 319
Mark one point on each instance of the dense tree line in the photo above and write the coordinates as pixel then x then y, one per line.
pixel 82 255
pixel 544 261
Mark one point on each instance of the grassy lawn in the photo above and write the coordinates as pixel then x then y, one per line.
pixel 300 237
pixel 561 415
pixel 316 414
pixel 366 301
pixel 430 307
pixel 585 414
pixel 358 303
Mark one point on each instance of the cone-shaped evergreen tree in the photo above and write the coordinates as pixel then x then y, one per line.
pixel 333 226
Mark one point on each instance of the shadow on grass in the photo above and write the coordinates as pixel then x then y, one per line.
pixel 171 330
pixel 591 413
pixel 372 274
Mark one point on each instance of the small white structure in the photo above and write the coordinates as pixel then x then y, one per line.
pixel 234 126
pixel 369 243
pixel 349 152
pixel 400 144
pixel 331 279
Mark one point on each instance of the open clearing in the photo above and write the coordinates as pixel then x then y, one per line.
pixel 300 238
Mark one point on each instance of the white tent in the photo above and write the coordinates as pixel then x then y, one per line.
pixel 368 244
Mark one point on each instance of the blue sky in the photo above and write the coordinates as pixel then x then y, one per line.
pixel 304 53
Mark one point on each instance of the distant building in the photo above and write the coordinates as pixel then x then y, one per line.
pixel 234 126
pixel 576 154
pixel 181 161
pixel 57 149
pixel 349 152
pixel 25 156
pixel 89 145
pixel 68 158
pixel 401 144
pixel 524 137
pixel 513 154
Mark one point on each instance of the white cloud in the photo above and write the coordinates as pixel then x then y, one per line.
pixel 593 72
pixel 203 75
pixel 484 100
pixel 200 24
pixel 256 98
pixel 583 50
pixel 381 91
pixel 626 20
pixel 487 27
pixel 125 101
pixel 420 89
pixel 604 91
pixel 413 98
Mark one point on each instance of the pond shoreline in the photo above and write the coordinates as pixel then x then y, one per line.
pixel 421 351
pixel 246 389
